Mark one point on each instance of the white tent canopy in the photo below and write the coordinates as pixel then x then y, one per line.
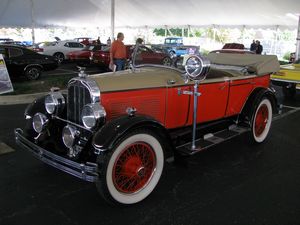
pixel 154 13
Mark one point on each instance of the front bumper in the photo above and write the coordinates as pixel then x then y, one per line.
pixel 87 172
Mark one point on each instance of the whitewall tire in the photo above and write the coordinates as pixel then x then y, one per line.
pixel 261 122
pixel 133 169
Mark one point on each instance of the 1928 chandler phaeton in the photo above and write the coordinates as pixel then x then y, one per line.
pixel 117 129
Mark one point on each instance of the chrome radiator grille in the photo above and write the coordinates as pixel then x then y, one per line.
pixel 78 96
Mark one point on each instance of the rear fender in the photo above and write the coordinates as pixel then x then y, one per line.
pixel 253 101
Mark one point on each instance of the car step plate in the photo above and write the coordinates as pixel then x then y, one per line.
pixel 211 139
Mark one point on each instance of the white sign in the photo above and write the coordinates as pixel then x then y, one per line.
pixel 5 83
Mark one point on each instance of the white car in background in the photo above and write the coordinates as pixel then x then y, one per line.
pixel 60 49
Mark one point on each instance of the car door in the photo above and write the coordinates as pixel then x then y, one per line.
pixel 212 102
pixel 15 61
pixel 240 90
pixel 72 46
pixel 149 56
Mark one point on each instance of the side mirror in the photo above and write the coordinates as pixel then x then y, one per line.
pixel 197 67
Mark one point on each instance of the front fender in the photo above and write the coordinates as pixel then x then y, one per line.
pixel 106 138
pixel 37 105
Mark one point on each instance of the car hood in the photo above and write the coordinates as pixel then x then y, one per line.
pixel 140 79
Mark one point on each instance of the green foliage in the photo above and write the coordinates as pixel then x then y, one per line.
pixel 286 56
pixel 174 32
pixel 220 35
pixel 204 52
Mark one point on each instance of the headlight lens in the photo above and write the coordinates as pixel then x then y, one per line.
pixel 39 122
pixel 92 114
pixel 54 103
pixel 69 135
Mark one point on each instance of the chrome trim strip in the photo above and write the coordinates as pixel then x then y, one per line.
pixel 287 81
pixel 87 172
pixel 69 122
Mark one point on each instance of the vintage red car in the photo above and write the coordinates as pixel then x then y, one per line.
pixel 82 57
pixel 117 129
pixel 146 55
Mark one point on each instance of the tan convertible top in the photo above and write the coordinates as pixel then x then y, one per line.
pixel 257 64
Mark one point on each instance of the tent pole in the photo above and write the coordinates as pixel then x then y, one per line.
pixel 112 19
pixel 166 31
pixel 298 42
pixel 32 22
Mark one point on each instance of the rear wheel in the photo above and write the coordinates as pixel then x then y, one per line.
pixel 167 61
pixel 33 73
pixel 59 56
pixel 130 172
pixel 261 121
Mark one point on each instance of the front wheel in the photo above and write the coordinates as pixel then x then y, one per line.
pixel 261 121
pixel 130 172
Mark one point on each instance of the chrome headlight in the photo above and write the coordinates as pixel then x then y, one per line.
pixel 197 67
pixel 39 122
pixel 54 103
pixel 69 135
pixel 92 114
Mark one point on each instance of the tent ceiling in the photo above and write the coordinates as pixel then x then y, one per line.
pixel 154 13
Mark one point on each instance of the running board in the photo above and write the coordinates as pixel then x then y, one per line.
pixel 212 139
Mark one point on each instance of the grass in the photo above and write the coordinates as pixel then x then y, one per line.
pixel 23 86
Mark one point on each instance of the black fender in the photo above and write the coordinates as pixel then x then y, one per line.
pixel 37 105
pixel 107 136
pixel 253 101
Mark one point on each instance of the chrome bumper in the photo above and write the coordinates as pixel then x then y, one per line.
pixel 87 172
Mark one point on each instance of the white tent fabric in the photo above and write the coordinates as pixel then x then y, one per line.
pixel 154 13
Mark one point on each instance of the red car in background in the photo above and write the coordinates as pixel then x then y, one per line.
pixel 82 57
pixel 146 56
pixel 237 51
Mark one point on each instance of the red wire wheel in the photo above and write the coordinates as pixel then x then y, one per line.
pixel 261 120
pixel 134 168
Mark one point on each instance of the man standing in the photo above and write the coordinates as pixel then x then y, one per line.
pixel 118 53
pixel 259 47
pixel 253 46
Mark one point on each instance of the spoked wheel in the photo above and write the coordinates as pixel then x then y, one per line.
pixel 132 170
pixel 261 121
pixel 33 73
pixel 167 61
pixel 59 56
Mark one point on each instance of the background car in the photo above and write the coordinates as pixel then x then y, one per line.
pixel 23 61
pixel 145 56
pixel 84 40
pixel 60 49
pixel 237 51
pixel 288 78
pixel 82 57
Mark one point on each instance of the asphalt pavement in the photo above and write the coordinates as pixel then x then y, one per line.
pixel 231 183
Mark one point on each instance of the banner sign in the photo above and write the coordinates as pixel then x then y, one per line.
pixel 5 83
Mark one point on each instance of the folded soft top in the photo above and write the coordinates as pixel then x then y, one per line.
pixel 258 64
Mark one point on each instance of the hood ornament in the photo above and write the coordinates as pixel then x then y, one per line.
pixel 81 72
